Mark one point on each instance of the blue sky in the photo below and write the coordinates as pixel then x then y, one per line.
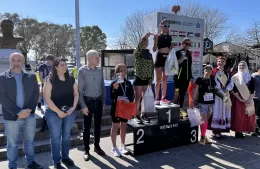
pixel 109 15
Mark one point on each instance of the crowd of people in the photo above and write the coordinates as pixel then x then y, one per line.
pixel 224 101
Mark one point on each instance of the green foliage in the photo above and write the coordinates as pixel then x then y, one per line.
pixel 92 37
pixel 50 38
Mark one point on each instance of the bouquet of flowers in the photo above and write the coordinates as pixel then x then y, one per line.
pixel 222 96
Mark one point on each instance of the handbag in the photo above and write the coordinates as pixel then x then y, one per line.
pixel 125 110
pixel 250 109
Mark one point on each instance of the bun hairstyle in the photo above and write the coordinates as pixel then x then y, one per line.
pixel 164 22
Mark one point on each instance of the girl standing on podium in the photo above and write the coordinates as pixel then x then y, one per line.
pixel 121 87
pixel 163 44
pixel 205 89
pixel 144 74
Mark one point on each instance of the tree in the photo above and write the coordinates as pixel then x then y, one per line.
pixel 214 21
pixel 253 35
pixel 58 40
pixel 29 29
pixel 92 37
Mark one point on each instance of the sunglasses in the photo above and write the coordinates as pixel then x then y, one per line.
pixel 207 68
pixel 166 26
pixel 188 44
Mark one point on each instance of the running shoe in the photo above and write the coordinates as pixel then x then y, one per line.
pixel 123 149
pixel 165 102
pixel 145 119
pixel 116 152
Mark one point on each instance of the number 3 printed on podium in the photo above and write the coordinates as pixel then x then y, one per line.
pixel 193 138
pixel 140 133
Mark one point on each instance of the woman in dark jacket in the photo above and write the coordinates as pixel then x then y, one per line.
pixel 121 87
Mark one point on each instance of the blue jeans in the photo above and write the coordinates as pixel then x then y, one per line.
pixel 13 129
pixel 60 134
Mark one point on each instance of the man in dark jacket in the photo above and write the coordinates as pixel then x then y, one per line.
pixel 19 94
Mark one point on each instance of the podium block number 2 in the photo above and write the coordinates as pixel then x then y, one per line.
pixel 193 138
pixel 140 136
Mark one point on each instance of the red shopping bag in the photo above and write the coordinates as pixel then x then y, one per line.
pixel 191 88
pixel 125 110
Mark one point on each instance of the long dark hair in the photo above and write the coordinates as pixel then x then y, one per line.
pixel 53 74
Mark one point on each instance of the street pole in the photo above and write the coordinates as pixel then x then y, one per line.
pixel 77 34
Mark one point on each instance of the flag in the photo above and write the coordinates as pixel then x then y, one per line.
pixel 197 35
pixel 182 34
pixel 174 44
pixel 174 33
pixel 196 53
pixel 190 34
pixel 196 44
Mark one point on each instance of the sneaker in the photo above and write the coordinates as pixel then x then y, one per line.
pixel 208 141
pixel 58 166
pixel 202 141
pixel 34 165
pixel 116 152
pixel 156 102
pixel 92 137
pixel 138 120
pixel 145 119
pixel 68 162
pixel 99 151
pixel 123 149
pixel 86 156
pixel 165 102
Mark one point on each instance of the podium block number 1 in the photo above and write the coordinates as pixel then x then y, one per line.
pixel 169 115
pixel 140 136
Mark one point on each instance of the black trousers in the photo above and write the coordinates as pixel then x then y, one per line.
pixel 95 107
pixel 183 86
pixel 257 113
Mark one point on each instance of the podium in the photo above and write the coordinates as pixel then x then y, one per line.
pixel 165 131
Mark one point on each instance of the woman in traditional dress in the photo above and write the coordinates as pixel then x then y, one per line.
pixel 221 117
pixel 242 112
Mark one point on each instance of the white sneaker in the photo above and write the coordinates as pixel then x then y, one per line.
pixel 123 149
pixel 116 152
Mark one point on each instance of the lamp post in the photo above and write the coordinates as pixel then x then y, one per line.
pixel 77 34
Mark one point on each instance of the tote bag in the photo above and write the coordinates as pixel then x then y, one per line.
pixel 147 104
pixel 125 110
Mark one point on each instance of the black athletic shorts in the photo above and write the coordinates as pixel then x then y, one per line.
pixel 160 59
pixel 139 82
pixel 118 119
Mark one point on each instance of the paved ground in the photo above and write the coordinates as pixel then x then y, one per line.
pixel 227 153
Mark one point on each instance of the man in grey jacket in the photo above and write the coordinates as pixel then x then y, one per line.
pixel 92 94
pixel 19 94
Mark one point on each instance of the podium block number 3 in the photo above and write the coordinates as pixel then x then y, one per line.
pixel 193 138
pixel 169 115
pixel 140 133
